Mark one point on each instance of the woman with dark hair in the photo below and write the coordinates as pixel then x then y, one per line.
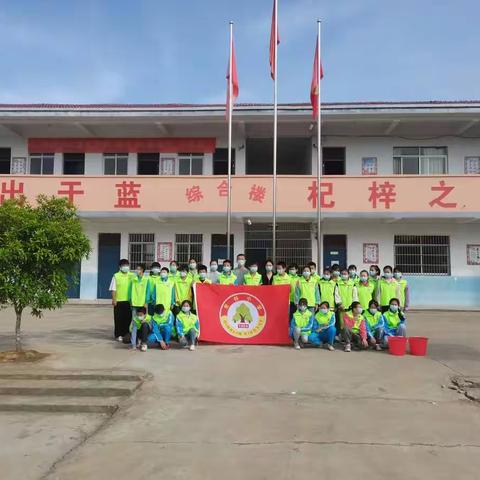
pixel 354 327
pixel 267 276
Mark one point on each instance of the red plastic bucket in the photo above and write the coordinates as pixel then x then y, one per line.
pixel 418 346
pixel 397 345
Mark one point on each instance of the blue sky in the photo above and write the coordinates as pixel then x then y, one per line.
pixel 161 51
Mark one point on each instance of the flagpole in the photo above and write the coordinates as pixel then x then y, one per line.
pixel 319 152
pixel 275 92
pixel 230 113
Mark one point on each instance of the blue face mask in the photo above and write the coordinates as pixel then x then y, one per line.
pixel 388 275
pixel 185 309
pixel 394 308
pixel 227 268
pixel 306 274
pixel 323 310
pixel 373 311
pixel 344 278
pixel 302 308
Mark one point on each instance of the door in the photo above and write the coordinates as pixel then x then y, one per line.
pixel 108 257
pixel 335 250
pixel 219 247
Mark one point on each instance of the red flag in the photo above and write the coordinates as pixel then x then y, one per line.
pixel 244 314
pixel 272 39
pixel 235 86
pixel 314 89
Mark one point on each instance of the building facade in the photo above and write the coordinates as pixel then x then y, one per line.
pixel 400 185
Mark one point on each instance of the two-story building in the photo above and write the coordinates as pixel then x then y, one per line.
pixel 400 185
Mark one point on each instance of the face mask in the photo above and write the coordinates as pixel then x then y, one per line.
pixel 155 271
pixel 306 274
pixel 173 268
pixel 292 272
pixel 373 311
pixel 193 266
pixel 185 309
pixel 373 273
pixel 394 308
pixel 202 275
pixel 323 310
pixel 336 273
pixel 241 263
pixel 358 310
pixel 280 271
pixel 302 308
pixel 141 317
pixel 254 269
pixel 352 273
pixel 125 269
pixel 183 274
pixel 213 267
pixel 227 268
pixel 327 276
pixel 397 275
pixel 268 268
pixel 344 277
pixel 163 275
pixel 387 275
pixel 364 279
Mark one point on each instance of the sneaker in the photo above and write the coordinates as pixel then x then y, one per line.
pixel 348 347
pixel 143 347
pixel 163 345
pixel 191 347
pixel 296 346
pixel 378 347
pixel 330 347
pixel 119 339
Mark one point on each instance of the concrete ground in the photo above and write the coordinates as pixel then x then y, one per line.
pixel 257 412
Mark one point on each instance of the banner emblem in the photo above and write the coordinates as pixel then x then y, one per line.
pixel 243 315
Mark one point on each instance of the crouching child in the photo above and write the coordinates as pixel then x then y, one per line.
pixel 393 321
pixel 301 326
pixel 354 329
pixel 188 326
pixel 140 328
pixel 162 326
pixel 324 325
pixel 374 324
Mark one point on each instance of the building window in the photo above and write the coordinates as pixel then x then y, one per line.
pixel 220 161
pixel 333 160
pixel 422 254
pixel 115 163
pixel 41 163
pixel 472 165
pixel 420 160
pixel 5 154
pixel 73 163
pixel 190 164
pixel 148 163
pixel 188 245
pixel 141 249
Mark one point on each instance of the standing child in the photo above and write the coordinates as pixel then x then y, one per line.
pixel 183 289
pixel 294 278
pixel 188 327
pixel 163 292
pixel 252 278
pixel 393 321
pixel 192 270
pixel 213 274
pixel 154 275
pixel 307 288
pixel 324 325
pixel 352 273
pixel 354 329
pixel 301 326
pixel 202 278
pixel 120 289
pixel 404 296
pixel 281 277
pixel 365 289
pixel 327 288
pixel 140 291
pixel 345 294
pixel 313 271
pixel 374 324
pixel 227 277
pixel 162 326
pixel 387 288
pixel 173 272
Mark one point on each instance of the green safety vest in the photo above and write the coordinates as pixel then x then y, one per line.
pixel 254 280
pixel 139 291
pixel 183 290
pixel 122 282
pixel 227 279
pixel 345 290
pixel 301 319
pixel 151 280
pixel 372 320
pixel 403 287
pixel 323 318
pixel 365 293
pixel 327 291
pixel 193 276
pixel 173 277
pixel 392 319
pixel 281 279
pixel 388 290
pixel 188 321
pixel 358 322
pixel 293 285
pixel 163 318
pixel 163 293
pixel 148 318
pixel 307 290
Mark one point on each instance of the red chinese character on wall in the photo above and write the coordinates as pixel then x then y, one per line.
pixel 382 193
pixel 326 189
pixel 9 191
pixel 257 193
pixel 194 194
pixel 223 189
pixel 445 190
pixel 70 191
pixel 127 194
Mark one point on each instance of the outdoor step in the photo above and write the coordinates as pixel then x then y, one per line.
pixel 75 375
pixel 56 404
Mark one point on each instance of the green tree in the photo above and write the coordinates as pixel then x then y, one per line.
pixel 40 247
pixel 242 314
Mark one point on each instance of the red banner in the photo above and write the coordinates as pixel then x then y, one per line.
pixel 246 315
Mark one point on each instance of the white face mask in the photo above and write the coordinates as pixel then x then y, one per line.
pixel 241 263
pixel 193 266
pixel 202 275
pixel 185 309
pixel 213 267
pixel 125 269
pixel 227 268
pixel 268 268
pixel 302 308
pixel 280 271
pixel 155 270
pixel 141 317
pixel 164 275
pixel 183 274
pixel 254 269
pixel 323 310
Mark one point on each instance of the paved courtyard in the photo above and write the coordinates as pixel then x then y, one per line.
pixel 252 412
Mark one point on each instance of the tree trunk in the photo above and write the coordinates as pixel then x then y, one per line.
pixel 18 333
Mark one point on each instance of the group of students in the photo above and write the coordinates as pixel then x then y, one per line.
pixel 361 309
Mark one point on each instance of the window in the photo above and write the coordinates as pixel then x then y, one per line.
pixel 141 249
pixel 188 245
pixel 115 163
pixel 333 159
pixel 41 163
pixel 220 161
pixel 73 163
pixel 472 165
pixel 420 160
pixel 5 154
pixel 167 165
pixel 148 163
pixel 190 164
pixel 422 254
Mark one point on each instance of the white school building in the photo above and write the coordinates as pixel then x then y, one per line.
pixel 400 185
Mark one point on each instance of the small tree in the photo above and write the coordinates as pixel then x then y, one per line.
pixel 40 247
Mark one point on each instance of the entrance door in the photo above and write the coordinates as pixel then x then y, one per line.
pixel 219 247
pixel 108 257
pixel 335 250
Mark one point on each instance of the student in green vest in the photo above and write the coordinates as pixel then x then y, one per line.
pixel 192 270
pixel 140 329
pixel 327 288
pixel 394 321
pixel 345 294
pixel 294 278
pixel 154 275
pixel 281 277
pixel 313 271
pixel 307 288
pixel 162 326
pixel 214 273
pixel 387 288
pixel 139 289
pixel 404 294
pixel 324 325
pixel 375 275
pixel 163 292
pixel 301 326
pixel 173 271
pixel 374 324
pixel 335 269
pixel 227 277
pixel 120 289
pixel 188 327
pixel 202 278
pixel 183 289
pixel 352 273
pixel 252 278
pixel 365 289
pixel 354 328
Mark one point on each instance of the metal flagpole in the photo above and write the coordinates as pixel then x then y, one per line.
pixel 274 226
pixel 230 112
pixel 319 153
